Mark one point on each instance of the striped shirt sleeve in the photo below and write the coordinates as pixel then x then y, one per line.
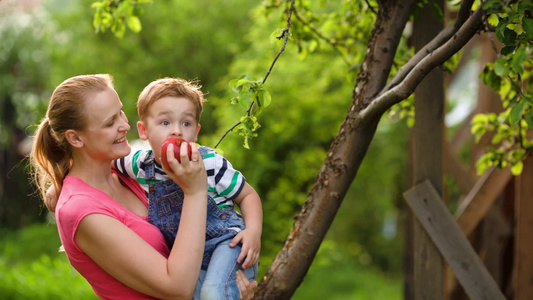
pixel 224 182
pixel 129 165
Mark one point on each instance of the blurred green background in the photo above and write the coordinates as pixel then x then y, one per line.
pixel 44 42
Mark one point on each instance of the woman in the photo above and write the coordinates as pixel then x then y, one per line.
pixel 102 215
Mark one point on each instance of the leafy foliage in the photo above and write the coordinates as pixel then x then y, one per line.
pixel 511 75
pixel 253 96
pixel 116 14
pixel 23 72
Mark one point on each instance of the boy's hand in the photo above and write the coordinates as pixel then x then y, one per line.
pixel 251 246
pixel 189 174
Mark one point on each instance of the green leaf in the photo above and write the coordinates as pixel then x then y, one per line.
pixel 500 67
pixel 518 60
pixel 500 30
pixel 483 163
pixel 527 25
pixel 478 130
pixel 134 23
pixel 516 113
pixel 264 98
pixel 241 82
pixel 508 49
pixel 232 84
pixel 245 98
pixel 480 118
pixel 493 20
pixel 509 36
pixel 497 138
pixel 491 79
pixel 517 168
pixel 529 120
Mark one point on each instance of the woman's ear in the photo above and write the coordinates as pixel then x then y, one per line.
pixel 73 138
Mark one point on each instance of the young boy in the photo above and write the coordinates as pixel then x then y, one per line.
pixel 171 107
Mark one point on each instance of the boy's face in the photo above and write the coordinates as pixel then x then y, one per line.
pixel 169 117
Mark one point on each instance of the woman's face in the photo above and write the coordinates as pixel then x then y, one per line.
pixel 104 137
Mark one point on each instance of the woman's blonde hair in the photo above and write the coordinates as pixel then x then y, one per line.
pixel 51 154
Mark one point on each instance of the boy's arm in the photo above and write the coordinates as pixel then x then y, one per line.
pixel 128 164
pixel 252 213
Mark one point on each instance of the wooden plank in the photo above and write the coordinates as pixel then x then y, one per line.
pixel 481 197
pixel 440 225
pixel 523 264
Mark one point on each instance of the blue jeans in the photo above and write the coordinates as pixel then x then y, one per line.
pixel 218 281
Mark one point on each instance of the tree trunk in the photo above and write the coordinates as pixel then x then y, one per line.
pixel 371 98
pixel 343 160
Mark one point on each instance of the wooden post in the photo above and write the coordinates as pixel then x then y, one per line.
pixel 428 282
pixel 441 227
pixel 523 263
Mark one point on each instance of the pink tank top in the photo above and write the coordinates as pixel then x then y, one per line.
pixel 77 200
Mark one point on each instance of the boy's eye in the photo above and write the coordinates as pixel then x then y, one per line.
pixel 186 124
pixel 165 123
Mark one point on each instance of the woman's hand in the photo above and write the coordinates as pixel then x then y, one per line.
pixel 246 287
pixel 190 175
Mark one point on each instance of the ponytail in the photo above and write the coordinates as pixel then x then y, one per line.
pixel 51 154
pixel 50 159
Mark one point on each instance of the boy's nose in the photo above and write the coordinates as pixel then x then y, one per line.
pixel 176 131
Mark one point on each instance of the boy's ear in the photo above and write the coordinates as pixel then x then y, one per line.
pixel 142 130
pixel 73 138
pixel 197 131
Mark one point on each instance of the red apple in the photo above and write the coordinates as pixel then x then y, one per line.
pixel 176 142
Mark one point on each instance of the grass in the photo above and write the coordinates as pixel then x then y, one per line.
pixel 348 281
pixel 32 268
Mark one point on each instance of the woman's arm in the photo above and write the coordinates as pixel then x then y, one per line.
pixel 129 259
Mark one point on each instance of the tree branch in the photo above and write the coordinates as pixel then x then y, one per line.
pixel 333 44
pixel 285 35
pixel 402 90
pixel 439 40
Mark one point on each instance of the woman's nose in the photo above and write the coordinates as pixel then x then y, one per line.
pixel 125 126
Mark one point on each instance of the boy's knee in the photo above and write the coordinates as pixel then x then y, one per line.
pixel 220 292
